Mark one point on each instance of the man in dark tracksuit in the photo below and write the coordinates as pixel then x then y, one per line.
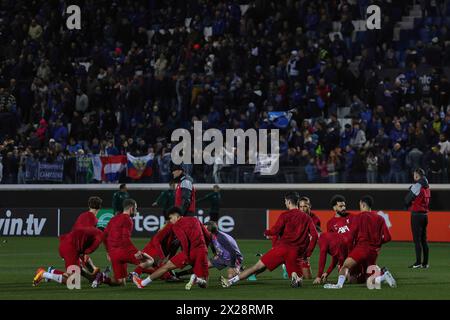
pixel 418 200
pixel 214 199
pixel 184 191
pixel 119 197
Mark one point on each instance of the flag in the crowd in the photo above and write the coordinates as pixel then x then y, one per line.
pixel 139 167
pixel 85 167
pixel 280 119
pixel 97 167
pixel 112 166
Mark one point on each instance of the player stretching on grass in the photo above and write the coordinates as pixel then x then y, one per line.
pixel 369 234
pixel 161 247
pixel 334 244
pixel 296 235
pixel 121 250
pixel 88 219
pixel 72 246
pixel 193 238
pixel 226 252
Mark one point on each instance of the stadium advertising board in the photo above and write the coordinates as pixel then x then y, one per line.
pixel 240 223
pixel 399 223
pixel 28 222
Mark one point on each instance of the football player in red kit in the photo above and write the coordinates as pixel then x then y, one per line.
pixel 161 247
pixel 120 248
pixel 305 206
pixel 342 221
pixel 296 234
pixel 369 234
pixel 194 239
pixel 331 243
pixel 85 220
pixel 72 245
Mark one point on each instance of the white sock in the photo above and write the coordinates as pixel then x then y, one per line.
pixel 380 279
pixel 146 281
pixel 51 276
pixel 341 281
pixel 200 280
pixel 234 279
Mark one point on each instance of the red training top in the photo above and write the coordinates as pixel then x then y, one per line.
pixel 84 220
pixel 192 234
pixel 84 240
pixel 118 232
pixel 334 244
pixel 295 228
pixel 370 230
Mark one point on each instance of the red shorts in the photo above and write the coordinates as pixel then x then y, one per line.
pixel 67 251
pixel 365 257
pixel 279 255
pixel 119 259
pixel 198 259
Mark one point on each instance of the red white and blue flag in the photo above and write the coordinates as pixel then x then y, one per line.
pixel 139 167
pixel 112 166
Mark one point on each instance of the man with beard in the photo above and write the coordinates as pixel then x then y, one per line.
pixel 342 221
pixel 120 248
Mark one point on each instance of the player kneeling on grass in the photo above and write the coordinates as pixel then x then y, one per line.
pixel 73 246
pixel 296 236
pixel 120 248
pixel 369 233
pixel 161 247
pixel 193 238
pixel 334 244
pixel 226 252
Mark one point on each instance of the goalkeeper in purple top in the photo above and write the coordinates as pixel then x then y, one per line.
pixel 226 252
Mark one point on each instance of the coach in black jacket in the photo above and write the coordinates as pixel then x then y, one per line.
pixel 418 200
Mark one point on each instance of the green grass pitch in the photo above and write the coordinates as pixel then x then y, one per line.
pixel 19 258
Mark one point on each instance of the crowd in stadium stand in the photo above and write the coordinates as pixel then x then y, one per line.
pixel 137 70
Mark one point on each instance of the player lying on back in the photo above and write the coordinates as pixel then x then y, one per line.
pixel 120 248
pixel 72 246
pixel 226 252
pixel 296 236
pixel 335 245
pixel 85 220
pixel 369 234
pixel 161 247
pixel 193 238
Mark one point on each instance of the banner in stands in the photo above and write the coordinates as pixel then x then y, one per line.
pixel 399 223
pixel 240 223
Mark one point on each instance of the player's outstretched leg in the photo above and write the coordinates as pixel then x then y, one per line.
pixel 257 268
pixel 349 263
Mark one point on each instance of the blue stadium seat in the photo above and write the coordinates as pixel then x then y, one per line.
pixel 428 21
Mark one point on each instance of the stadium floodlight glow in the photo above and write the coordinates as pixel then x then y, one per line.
pixel 217 153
